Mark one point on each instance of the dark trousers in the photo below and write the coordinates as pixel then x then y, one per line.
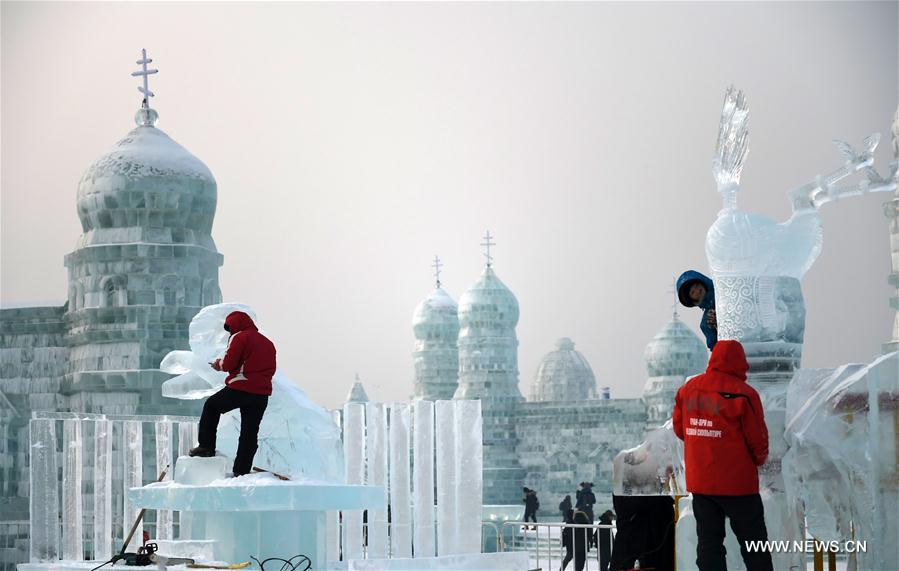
pixel 579 562
pixel 530 514
pixel 747 520
pixel 251 406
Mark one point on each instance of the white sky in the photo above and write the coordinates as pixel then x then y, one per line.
pixel 353 142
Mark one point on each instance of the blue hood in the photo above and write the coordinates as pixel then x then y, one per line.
pixel 686 280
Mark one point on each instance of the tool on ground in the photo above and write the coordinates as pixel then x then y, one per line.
pixel 275 474
pixel 142 557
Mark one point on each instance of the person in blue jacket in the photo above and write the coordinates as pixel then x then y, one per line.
pixel 695 289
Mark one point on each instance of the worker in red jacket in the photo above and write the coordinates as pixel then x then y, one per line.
pixel 250 364
pixel 720 419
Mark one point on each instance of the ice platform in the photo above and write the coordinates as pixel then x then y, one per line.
pixel 259 515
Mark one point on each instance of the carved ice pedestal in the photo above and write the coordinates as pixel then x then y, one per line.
pixel 259 515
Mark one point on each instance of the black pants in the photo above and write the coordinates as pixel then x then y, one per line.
pixel 645 533
pixel 747 520
pixel 251 406
pixel 579 562
pixel 530 514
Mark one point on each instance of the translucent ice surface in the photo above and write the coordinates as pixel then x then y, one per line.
pixel 200 471
pixel 297 437
pixel 654 467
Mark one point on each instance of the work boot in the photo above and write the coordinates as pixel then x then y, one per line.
pixel 201 452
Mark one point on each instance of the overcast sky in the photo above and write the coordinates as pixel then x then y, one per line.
pixel 353 142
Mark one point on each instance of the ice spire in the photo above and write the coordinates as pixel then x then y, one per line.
pixel 145 115
pixel 732 147
pixel 436 265
pixel 676 302
pixel 487 243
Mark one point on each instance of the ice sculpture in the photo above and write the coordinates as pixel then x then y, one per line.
pixel 757 263
pixel 297 437
pixel 842 461
pixel 655 467
pixel 757 266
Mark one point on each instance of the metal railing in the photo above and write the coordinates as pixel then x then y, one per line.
pixel 543 542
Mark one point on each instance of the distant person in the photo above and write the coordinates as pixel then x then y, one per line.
pixel 565 506
pixel 604 539
pixel 720 419
pixel 695 289
pixel 585 499
pixel 531 505
pixel 250 364
pixel 575 540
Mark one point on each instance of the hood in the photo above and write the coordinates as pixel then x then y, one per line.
pixel 728 357
pixel 237 321
pixel 686 280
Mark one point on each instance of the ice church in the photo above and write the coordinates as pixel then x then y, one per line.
pixel 566 432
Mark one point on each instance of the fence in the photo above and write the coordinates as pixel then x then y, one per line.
pixel 543 542
pixel 81 512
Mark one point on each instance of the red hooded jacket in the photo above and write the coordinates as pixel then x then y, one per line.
pixel 250 358
pixel 720 419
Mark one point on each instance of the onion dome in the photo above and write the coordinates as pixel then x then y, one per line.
pixel 488 303
pixel 564 375
pixel 436 318
pixel 675 351
pixel 147 188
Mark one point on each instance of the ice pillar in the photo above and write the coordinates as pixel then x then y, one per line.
pixel 423 477
pixel 102 490
pixel 185 443
pixel 376 472
pixel 132 434
pixel 44 493
pixel 163 459
pixel 354 459
pixel 469 484
pixel 446 485
pixel 331 517
pixel 400 508
pixel 72 506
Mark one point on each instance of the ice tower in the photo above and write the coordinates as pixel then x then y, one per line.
pixel 436 354
pixel 143 266
pixel 674 354
pixel 488 370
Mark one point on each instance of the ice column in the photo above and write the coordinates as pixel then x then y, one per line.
pixel 163 459
pixel 376 464
pixel 354 459
pixel 72 515
pixel 423 477
pixel 469 474
pixel 44 494
pixel 102 490
pixel 185 443
pixel 400 509
pixel 446 488
pixel 331 521
pixel 132 434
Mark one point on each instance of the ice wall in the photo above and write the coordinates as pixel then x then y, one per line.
pixel 296 437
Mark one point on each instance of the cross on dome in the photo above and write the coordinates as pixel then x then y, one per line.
pixel 436 265
pixel 673 290
pixel 144 72
pixel 487 243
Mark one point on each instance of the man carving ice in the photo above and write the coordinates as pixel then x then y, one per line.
pixel 695 289
pixel 250 364
pixel 720 419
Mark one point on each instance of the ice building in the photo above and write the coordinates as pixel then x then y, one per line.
pixel 562 436
pixel 143 266
pixel 436 356
pixel 674 354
